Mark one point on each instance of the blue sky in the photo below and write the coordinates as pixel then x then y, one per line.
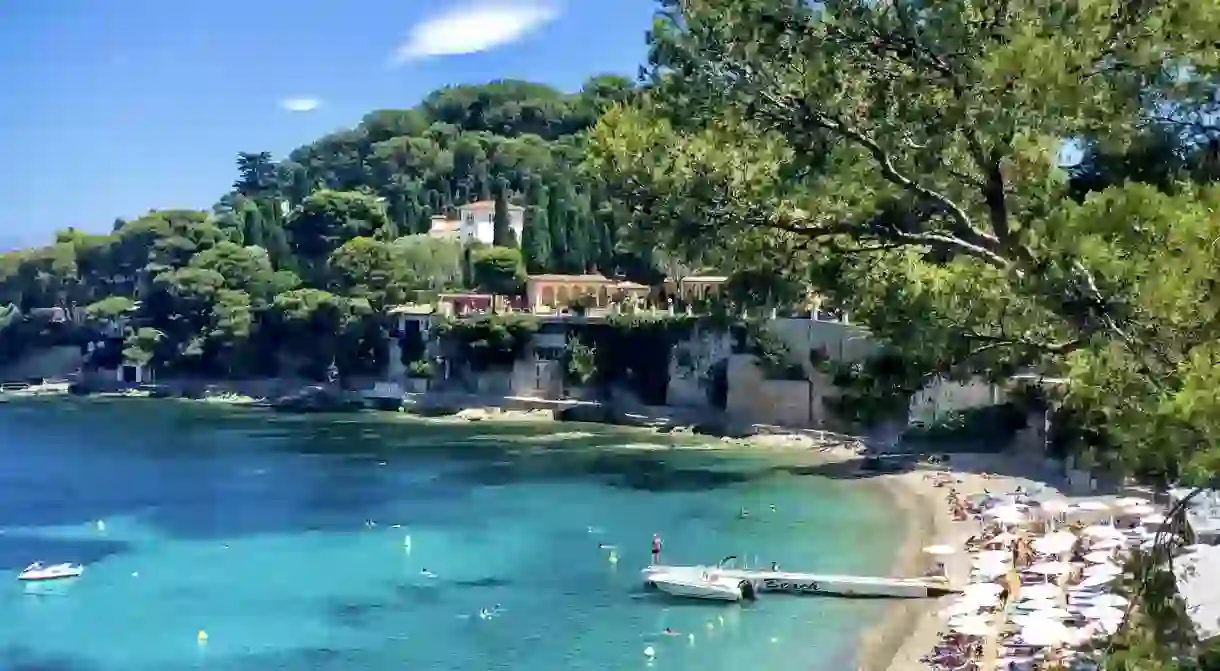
pixel 114 108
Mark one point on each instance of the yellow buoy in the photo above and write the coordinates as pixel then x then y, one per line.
pixel 201 637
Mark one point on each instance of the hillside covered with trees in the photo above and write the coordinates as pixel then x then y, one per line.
pixel 307 251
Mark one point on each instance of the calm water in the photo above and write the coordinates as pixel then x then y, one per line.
pixel 285 538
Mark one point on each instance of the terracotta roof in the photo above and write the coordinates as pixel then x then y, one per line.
pixel 487 204
pixel 568 278
pixel 443 225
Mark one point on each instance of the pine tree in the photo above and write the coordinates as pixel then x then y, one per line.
pixel 536 232
pixel 501 231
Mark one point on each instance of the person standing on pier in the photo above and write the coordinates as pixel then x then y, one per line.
pixel 656 549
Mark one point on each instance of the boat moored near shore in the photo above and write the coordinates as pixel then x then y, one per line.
pixel 802 583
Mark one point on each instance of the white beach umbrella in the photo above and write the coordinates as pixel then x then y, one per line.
pixel 1052 613
pixel 992 570
pixel 1051 568
pixel 1139 510
pixel 1042 632
pixel 1153 520
pixel 1102 569
pixel 1008 515
pixel 1041 591
pixel 1107 600
pixel 1033 605
pixel 1102 613
pixel 1055 506
pixel 1099 557
pixel 1097 580
pixel 1056 543
pixel 1102 531
pixel 979 589
pixel 1129 501
pixel 940 550
pixel 1103 627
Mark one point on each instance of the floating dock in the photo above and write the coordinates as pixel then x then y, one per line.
pixel 812 583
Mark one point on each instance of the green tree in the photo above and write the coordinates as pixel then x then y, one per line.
pixel 498 270
pixel 372 270
pixel 905 157
pixel 327 219
pixel 245 269
pixel 430 263
pixel 557 221
pixel 536 231
pixel 501 230
pixel 317 327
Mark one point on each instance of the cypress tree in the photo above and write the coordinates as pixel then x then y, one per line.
pixel 556 217
pixel 536 232
pixel 576 257
pixel 501 231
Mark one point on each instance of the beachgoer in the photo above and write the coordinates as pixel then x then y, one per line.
pixel 743 514
pixel 656 548
pixel 775 567
pixel 670 632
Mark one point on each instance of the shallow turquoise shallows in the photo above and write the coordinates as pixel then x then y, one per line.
pixel 301 543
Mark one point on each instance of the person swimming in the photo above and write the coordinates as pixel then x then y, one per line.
pixel 743 514
pixel 427 574
pixel 670 632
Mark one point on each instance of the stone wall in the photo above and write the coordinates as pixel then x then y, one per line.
pixel 756 400
pixel 691 363
pixel 54 362
pixel 943 397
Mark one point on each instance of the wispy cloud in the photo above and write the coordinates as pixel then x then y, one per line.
pixel 475 27
pixel 300 104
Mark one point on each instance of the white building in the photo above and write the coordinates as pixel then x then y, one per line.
pixel 476 221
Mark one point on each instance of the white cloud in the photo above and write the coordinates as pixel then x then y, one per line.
pixel 300 104
pixel 481 26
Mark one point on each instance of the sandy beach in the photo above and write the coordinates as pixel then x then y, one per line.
pixel 909 629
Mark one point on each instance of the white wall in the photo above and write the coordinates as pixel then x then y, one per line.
pixel 478 223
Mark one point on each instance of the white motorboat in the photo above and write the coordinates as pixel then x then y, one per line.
pixel 702 585
pixel 38 572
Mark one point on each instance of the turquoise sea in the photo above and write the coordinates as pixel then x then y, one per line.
pixel 299 543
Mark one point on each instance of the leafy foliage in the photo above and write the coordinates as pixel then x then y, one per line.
pixel 906 157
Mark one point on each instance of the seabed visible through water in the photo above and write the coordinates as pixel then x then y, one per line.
pixel 367 542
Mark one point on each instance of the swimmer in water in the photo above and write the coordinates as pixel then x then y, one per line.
pixel 670 632
pixel 743 514
pixel 427 574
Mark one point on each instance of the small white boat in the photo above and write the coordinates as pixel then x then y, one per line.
pixel 702 585
pixel 38 572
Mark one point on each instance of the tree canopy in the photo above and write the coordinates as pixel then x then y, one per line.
pixel 914 163
pixel 345 219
